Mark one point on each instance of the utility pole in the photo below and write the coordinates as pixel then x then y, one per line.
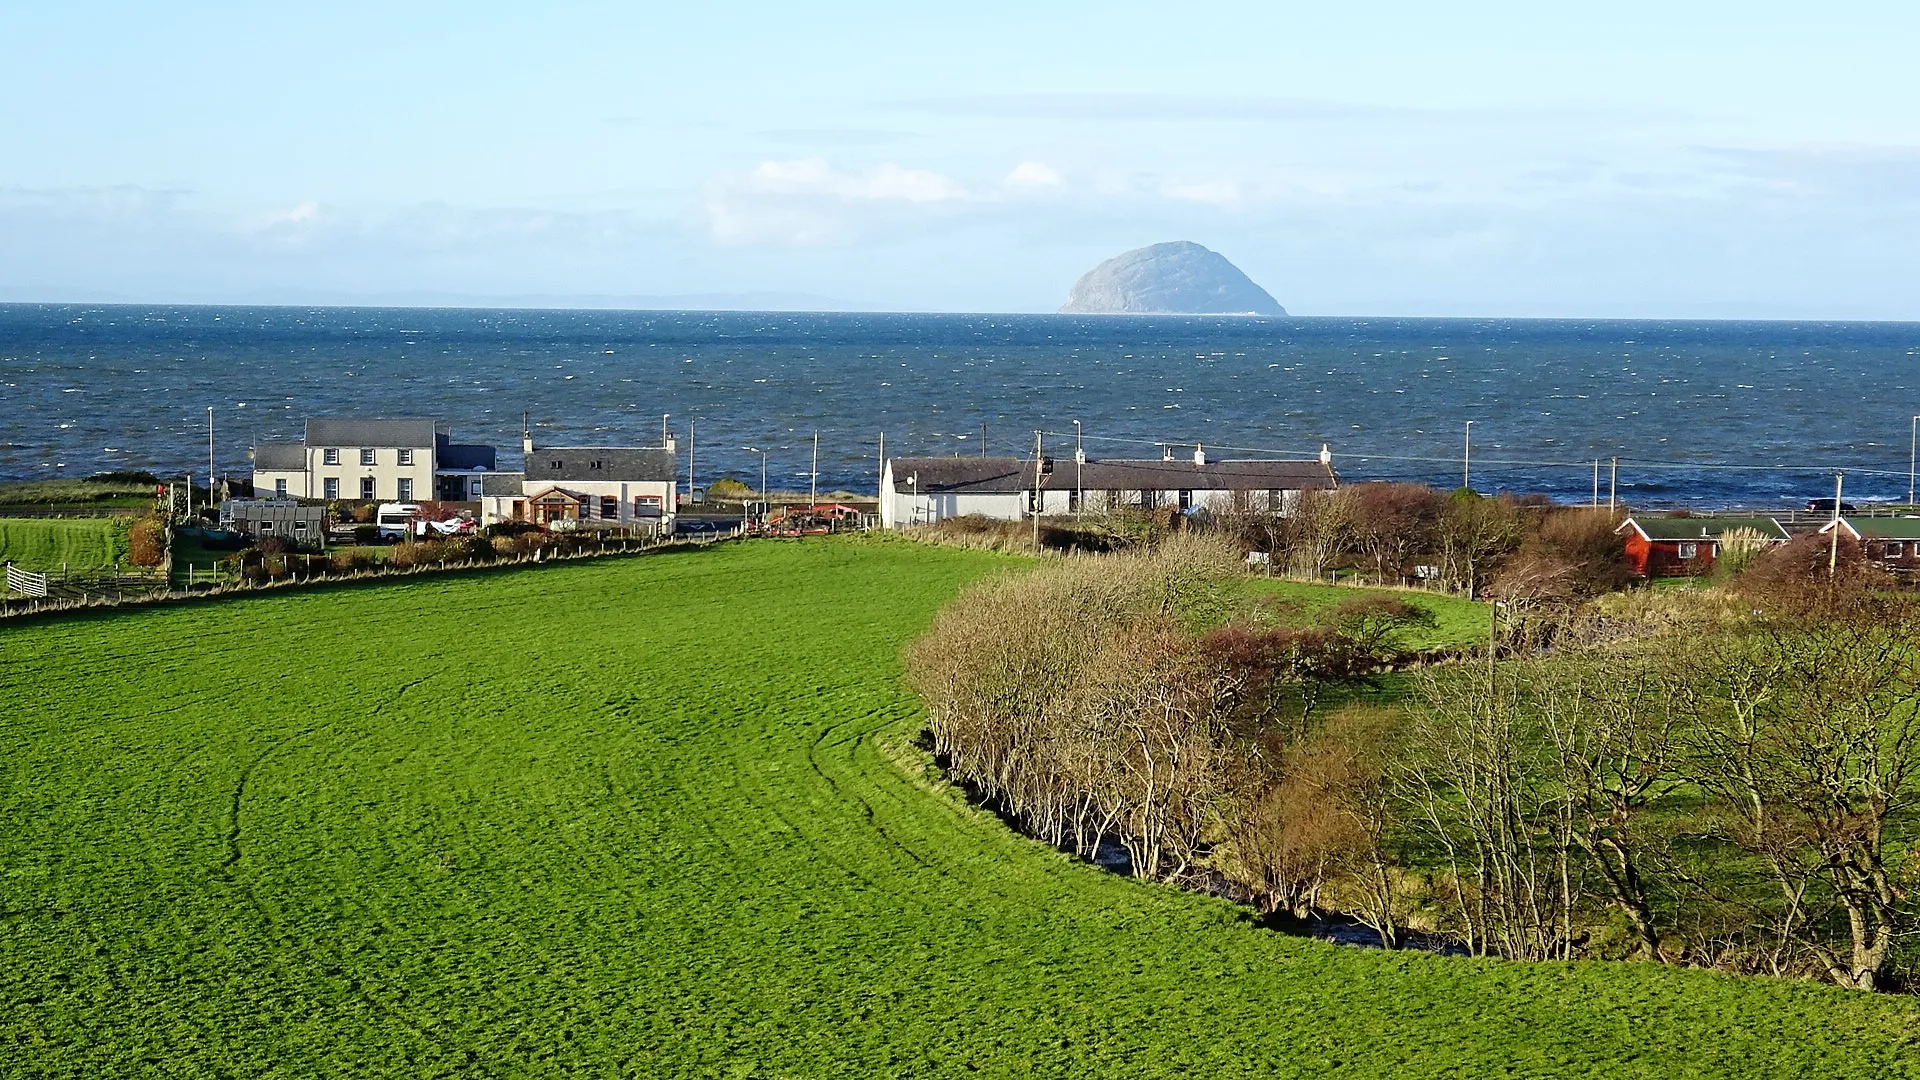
pixel 1596 483
pixel 1036 493
pixel 1466 459
pixel 663 428
pixel 983 440
pixel 880 471
pixel 210 477
pixel 690 424
pixel 1833 552
pixel 1613 486
pixel 813 489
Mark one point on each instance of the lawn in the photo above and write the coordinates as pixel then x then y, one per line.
pixel 643 817
pixel 44 544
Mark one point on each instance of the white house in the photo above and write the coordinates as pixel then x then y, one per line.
pixel 593 486
pixel 374 460
pixel 919 491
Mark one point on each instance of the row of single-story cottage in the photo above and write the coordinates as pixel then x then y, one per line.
pixel 1684 546
pixel 926 490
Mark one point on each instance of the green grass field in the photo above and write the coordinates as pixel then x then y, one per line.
pixel 643 817
pixel 43 544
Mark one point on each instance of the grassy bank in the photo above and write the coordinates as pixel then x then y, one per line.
pixel 638 817
pixel 81 544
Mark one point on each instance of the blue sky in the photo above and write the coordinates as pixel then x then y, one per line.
pixel 1636 159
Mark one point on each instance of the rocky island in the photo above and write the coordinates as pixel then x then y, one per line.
pixel 1178 278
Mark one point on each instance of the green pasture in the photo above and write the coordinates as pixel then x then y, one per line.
pixel 660 817
pixel 45 544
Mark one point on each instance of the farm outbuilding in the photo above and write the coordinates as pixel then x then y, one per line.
pixel 259 519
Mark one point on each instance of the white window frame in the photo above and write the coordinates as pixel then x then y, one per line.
pixel 406 455
pixel 405 492
pixel 330 456
pixel 331 487
pixel 368 489
pixel 1689 549
pixel 366 455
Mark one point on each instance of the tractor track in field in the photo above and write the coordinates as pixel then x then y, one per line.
pixel 234 851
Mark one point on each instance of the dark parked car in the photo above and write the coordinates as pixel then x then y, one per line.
pixel 1825 506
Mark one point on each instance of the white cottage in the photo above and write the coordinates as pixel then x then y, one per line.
pixel 592 486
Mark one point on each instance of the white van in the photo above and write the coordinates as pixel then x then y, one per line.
pixel 392 521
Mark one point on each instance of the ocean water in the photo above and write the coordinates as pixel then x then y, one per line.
pixel 1699 413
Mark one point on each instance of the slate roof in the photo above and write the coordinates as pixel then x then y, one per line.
pixel 1700 528
pixel 1007 475
pixel 413 433
pixel 549 465
pixel 280 456
pixel 964 475
pixel 464 456
pixel 511 484
pixel 1154 475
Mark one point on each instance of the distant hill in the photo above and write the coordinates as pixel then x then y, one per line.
pixel 1178 278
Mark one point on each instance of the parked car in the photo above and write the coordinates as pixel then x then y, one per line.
pixel 392 520
pixel 1825 506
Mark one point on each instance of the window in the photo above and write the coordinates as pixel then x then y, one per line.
pixel 330 487
pixel 406 456
pixel 1186 500
pixel 280 488
pixel 554 464
pixel 593 464
pixel 1688 551
pixel 366 455
pixel 366 487
pixel 406 488
pixel 1896 549
pixel 1073 501
pixel 519 509
pixel 609 508
pixel 330 456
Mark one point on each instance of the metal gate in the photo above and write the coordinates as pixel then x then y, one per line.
pixel 25 582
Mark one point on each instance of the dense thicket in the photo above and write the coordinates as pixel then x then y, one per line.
pixel 1723 783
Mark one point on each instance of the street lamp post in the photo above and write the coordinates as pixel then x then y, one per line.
pixel 1079 459
pixel 1466 459
pixel 764 503
pixel 1913 442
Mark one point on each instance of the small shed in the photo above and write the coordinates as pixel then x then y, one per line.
pixel 259 519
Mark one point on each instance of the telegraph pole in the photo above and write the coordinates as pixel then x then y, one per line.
pixel 209 454
pixel 1079 460
pixel 690 424
pixel 880 471
pixel 1596 483
pixel 1613 485
pixel 813 482
pixel 983 440
pixel 1036 493
pixel 1913 443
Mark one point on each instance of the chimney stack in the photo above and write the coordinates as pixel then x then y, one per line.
pixel 526 435
pixel 1199 455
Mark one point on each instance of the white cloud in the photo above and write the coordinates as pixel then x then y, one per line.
pixel 1221 193
pixel 1033 174
pixel 813 176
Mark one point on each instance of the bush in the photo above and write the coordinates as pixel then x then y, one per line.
pixel 147 542
pixel 470 549
pixel 418 553
pixel 727 489
pixel 366 534
pixel 273 545
pixel 349 561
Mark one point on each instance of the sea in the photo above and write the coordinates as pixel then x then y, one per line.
pixel 1697 414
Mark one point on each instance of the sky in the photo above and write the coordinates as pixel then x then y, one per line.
pixel 1691 159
